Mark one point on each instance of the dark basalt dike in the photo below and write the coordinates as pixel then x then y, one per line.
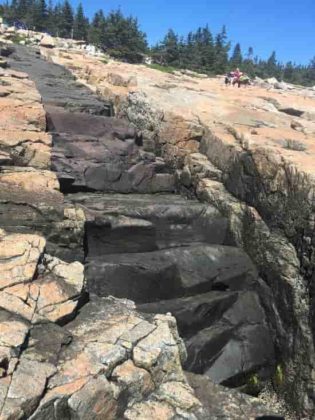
pixel 141 240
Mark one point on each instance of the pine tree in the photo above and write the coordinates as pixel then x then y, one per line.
pixel 51 24
pixel 80 24
pixel 237 58
pixel 207 50
pixel 250 53
pixel 288 73
pixel 271 65
pixel 248 64
pixel 170 48
pixel 122 38
pixel 97 29
pixel 39 15
pixel 66 20
pixel 21 8
pixel 222 47
pixel 309 77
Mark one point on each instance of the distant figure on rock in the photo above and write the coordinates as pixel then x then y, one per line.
pixel 243 80
pixel 237 78
pixel 229 78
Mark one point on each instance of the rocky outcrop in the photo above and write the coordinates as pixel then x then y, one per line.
pixel 97 356
pixel 239 151
pixel 103 154
pixel 107 363
pixel 59 355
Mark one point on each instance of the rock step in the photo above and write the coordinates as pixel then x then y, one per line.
pixel 91 152
pixel 57 85
pixel 170 273
pixel 118 223
pixel 96 153
pixel 151 248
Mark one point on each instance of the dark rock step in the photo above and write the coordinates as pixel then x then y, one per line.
pixel 226 334
pixel 228 355
pixel 194 313
pixel 56 84
pixel 135 223
pixel 236 345
pixel 171 273
pixel 60 120
pixel 93 153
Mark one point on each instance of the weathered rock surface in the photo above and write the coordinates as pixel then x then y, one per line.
pixel 226 404
pixel 157 275
pixel 226 334
pixel 101 358
pixel 260 175
pixel 106 362
pixel 102 154
pixel 118 223
pixel 22 123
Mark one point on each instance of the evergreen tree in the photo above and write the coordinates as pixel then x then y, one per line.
pixel 207 50
pixel 22 8
pixel 248 64
pixel 97 29
pixel 250 54
pixel 170 49
pixel 51 24
pixel 237 58
pixel 288 73
pixel 122 38
pixel 66 20
pixel 272 65
pixel 222 47
pixel 39 15
pixel 80 24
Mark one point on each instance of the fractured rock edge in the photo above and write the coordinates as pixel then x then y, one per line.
pixel 53 297
pixel 275 248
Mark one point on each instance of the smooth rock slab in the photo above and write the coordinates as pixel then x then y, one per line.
pixel 103 154
pixel 117 223
pixel 239 343
pixel 170 273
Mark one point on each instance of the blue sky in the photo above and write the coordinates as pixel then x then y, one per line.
pixel 287 26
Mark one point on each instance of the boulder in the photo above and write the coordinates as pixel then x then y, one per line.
pixel 47 42
pixel 271 81
pixel 220 343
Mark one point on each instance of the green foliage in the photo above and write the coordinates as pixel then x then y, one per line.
pixel 97 29
pixel 122 39
pixel 196 52
pixel 253 385
pixel 279 376
pixel 164 69
pixel 237 58
pixel 17 38
pixel 80 25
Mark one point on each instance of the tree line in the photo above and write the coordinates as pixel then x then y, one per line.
pixel 122 38
pixel 116 34
pixel 203 52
